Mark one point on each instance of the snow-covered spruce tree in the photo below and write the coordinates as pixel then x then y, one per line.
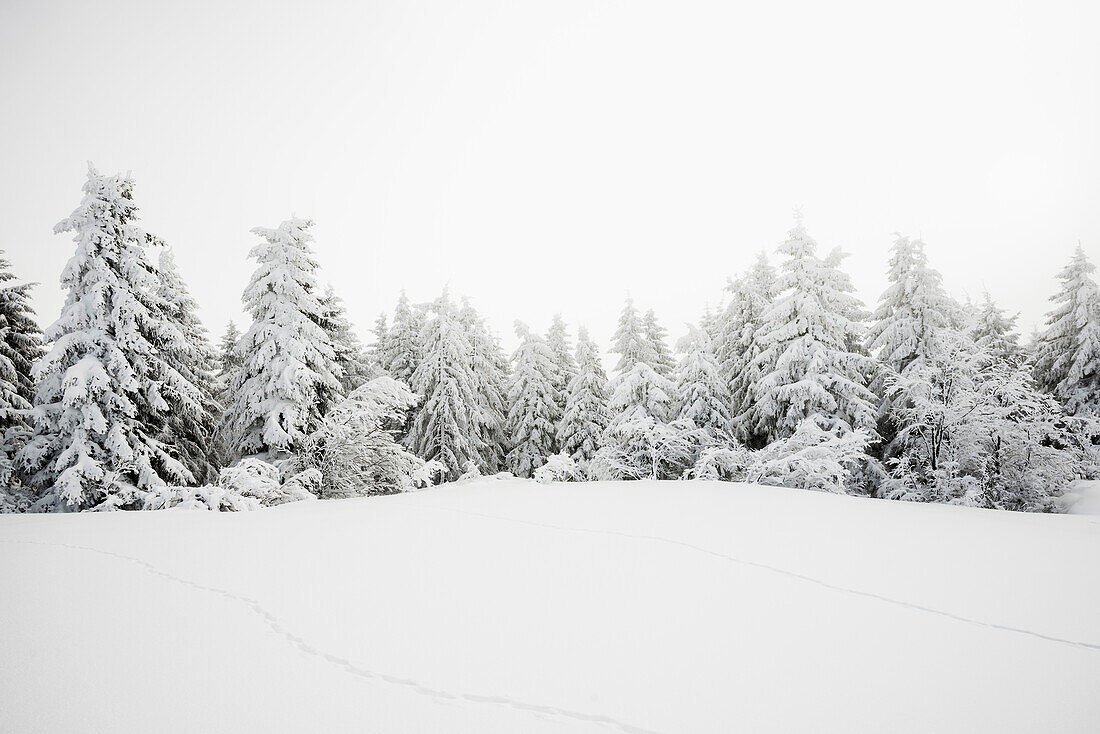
pixel 229 359
pixel 806 365
pixel 565 365
pixel 701 397
pixel 489 371
pixel 913 311
pixel 533 417
pixel 377 348
pixel 443 428
pixel 629 340
pixel 644 448
pixel 657 336
pixel 103 386
pixel 350 356
pixel 736 347
pixel 20 348
pixel 289 377
pixel 190 432
pixel 1067 360
pixel 586 414
pixel 993 330
pixel 402 351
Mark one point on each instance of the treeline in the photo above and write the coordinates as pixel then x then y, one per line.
pixel 124 402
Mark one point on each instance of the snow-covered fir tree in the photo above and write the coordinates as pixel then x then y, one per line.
pixel 534 414
pixel 1067 359
pixel 586 415
pixel 443 427
pixel 993 330
pixel 189 431
pixel 736 346
pixel 103 386
pixel 289 377
pixel 377 348
pixel 629 340
pixel 229 361
pixel 657 336
pixel 489 370
pixel 401 353
pixel 806 364
pixel 350 356
pixel 565 364
pixel 913 311
pixel 20 348
pixel 701 397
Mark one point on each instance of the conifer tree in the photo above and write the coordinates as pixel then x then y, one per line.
pixel 565 365
pixel 994 331
pixel 586 414
pixel 629 340
pixel 657 336
pixel 913 311
pixel 103 386
pixel 737 347
pixel 443 428
pixel 289 377
pixel 534 415
pixel 489 371
pixel 701 397
pixel 350 356
pixel 807 368
pixel 189 431
pixel 401 352
pixel 229 361
pixel 20 348
pixel 1067 363
pixel 377 349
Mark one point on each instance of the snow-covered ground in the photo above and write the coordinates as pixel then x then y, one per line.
pixel 509 606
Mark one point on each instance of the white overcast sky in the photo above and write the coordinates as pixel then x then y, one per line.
pixel 554 156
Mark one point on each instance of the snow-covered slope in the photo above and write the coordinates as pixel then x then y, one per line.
pixel 509 606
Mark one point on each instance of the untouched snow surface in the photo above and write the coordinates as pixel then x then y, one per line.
pixel 510 606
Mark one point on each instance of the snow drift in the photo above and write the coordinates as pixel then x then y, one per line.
pixel 513 606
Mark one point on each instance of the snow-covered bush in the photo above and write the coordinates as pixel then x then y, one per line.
pixel 248 485
pixel 643 448
pixel 354 448
pixel 721 462
pixel 426 475
pixel 470 472
pixel 811 458
pixel 557 468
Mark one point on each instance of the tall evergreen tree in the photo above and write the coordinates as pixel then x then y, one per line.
pixel 289 377
pixel 629 340
pixel 1067 363
pixel 104 385
pixel 229 360
pixel 20 348
pixel 913 311
pixel 377 348
pixel 565 365
pixel 443 428
pixel 994 331
pixel 534 414
pixel 350 356
pixel 401 353
pixel 657 336
pixel 807 366
pixel 190 432
pixel 737 347
pixel 489 371
pixel 586 415
pixel 701 397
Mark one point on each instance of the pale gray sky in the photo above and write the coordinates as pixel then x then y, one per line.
pixel 552 156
